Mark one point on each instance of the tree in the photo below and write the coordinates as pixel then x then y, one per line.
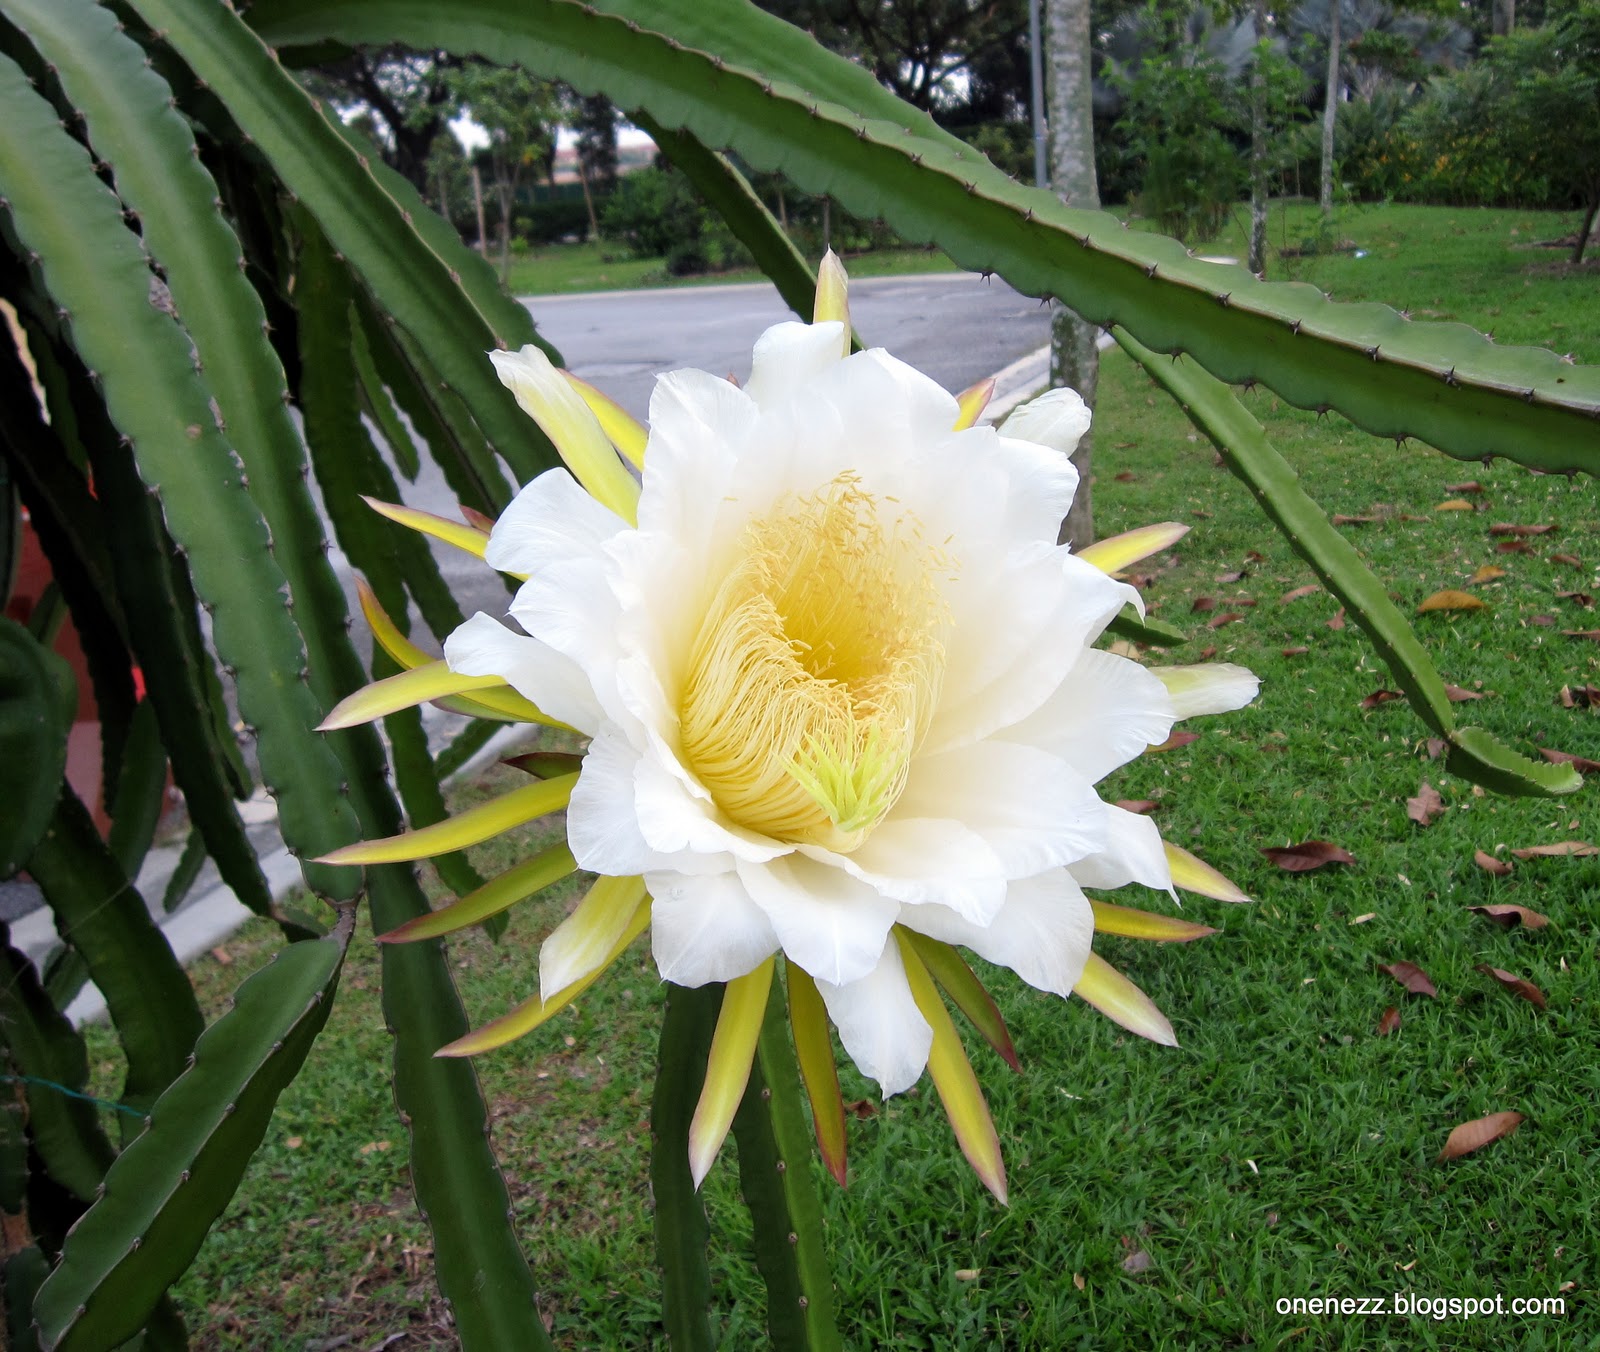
pixel 595 119
pixel 1074 357
pixel 409 96
pixel 518 111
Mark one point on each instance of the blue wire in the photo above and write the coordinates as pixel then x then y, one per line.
pixel 71 1093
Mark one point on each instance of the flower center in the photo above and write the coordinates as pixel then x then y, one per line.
pixel 817 668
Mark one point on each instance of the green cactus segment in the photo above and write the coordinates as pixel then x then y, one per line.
pixel 687 1023
pixel 39 1043
pixel 167 1187
pixel 142 792
pixel 729 193
pixel 378 404
pixel 1216 411
pixel 100 914
pixel 97 271
pixel 336 184
pixel 1152 633
pixel 190 862
pixel 1442 383
pixel 24 1273
pixel 776 1177
pixel 480 1268
pixel 37 697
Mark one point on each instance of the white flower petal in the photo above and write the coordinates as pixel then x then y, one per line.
pixel 485 647
pixel 699 424
pixel 1210 688
pixel 832 924
pixel 920 859
pixel 706 928
pixel 880 1025
pixel 1133 854
pixel 673 820
pixel 1034 810
pixel 1107 711
pixel 551 519
pixel 789 357
pixel 1043 933
pixel 1057 419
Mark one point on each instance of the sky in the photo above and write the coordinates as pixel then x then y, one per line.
pixel 474 137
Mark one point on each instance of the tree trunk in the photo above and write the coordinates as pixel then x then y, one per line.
pixel 1505 17
pixel 1330 107
pixel 1590 226
pixel 1074 357
pixel 477 203
pixel 502 190
pixel 588 200
pixel 1258 147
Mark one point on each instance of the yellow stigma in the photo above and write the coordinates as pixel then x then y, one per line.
pixel 816 669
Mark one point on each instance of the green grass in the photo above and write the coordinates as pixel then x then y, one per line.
pixel 608 267
pixel 1284 1150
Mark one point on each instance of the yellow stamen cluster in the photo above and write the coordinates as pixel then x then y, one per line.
pixel 816 669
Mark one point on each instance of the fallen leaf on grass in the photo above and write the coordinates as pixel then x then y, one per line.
pixel 1515 984
pixel 1207 653
pixel 1471 486
pixel 1593 634
pixel 1337 622
pixel 1310 589
pixel 1456 694
pixel 1203 604
pixel 1412 977
pixel 1077 1280
pixel 1583 599
pixel 1508 916
pixel 1507 528
pixel 1307 855
pixel 861 1108
pixel 1571 560
pixel 1378 697
pixel 1181 738
pixel 1425 806
pixel 1353 520
pixel 1489 864
pixel 1137 1261
pixel 1436 747
pixel 1579 696
pixel 1233 577
pixel 1227 617
pixel 1578 848
pixel 1389 1022
pixel 1125 476
pixel 967 1274
pixel 1513 547
pixel 1476 1134
pixel 1254 556
pixel 1582 764
pixel 1451 600
pixel 1295 652
pixel 1487 573
pixel 1455 505
pixel 294 1142
pixel 1140 805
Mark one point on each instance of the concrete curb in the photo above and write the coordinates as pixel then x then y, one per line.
pixel 215 913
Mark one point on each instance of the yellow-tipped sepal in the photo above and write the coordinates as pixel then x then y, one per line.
pixel 1132 923
pixel 972 401
pixel 544 395
pixel 1116 552
pixel 953 1076
pixel 627 433
pixel 833 296
pixel 733 1047
pixel 471 827
pixel 1195 875
pixel 531 1013
pixel 813 1050
pixel 579 946
pixel 530 876
pixel 404 690
pixel 961 984
pixel 471 538
pixel 1104 987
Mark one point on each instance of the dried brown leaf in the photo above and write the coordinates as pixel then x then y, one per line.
pixel 1310 589
pixel 1337 622
pixel 1471 486
pixel 1509 917
pixel 1307 855
pixel 1435 747
pixel 1449 599
pixel 1571 560
pixel 1202 604
pixel 1487 573
pixel 1515 984
pixel 1425 806
pixel 1456 694
pixel 1507 528
pixel 1238 576
pixel 1489 864
pixel 1579 696
pixel 1579 849
pixel 1389 1022
pixel 1577 598
pixel 1353 520
pixel 1455 505
pixel 1476 1134
pixel 1582 764
pixel 1378 697
pixel 1227 617
pixel 1412 977
pixel 1140 805
pixel 1295 652
pixel 1591 634
pixel 1514 547
pixel 861 1108
pixel 1206 653
pixel 1137 1261
pixel 1125 476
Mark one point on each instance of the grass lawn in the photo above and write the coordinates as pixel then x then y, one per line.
pixel 607 267
pixel 1160 1199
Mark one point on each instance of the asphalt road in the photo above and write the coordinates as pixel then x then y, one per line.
pixel 956 327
